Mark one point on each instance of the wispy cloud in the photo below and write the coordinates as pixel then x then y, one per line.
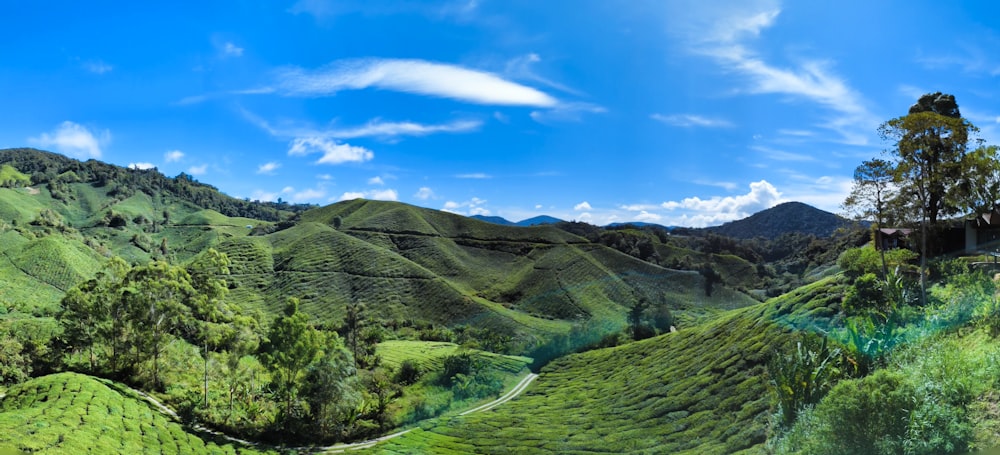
pixel 691 120
pixel 198 170
pixel 73 140
pixel 228 48
pixel 268 168
pixel 474 206
pixel 97 66
pixel 566 112
pixel 725 33
pixel 721 184
pixel 377 195
pixel 410 76
pixel 521 68
pixel 781 155
pixel 306 140
pixel 475 175
pixel 970 58
pixel 424 193
pixel 380 128
pixel 376 181
pixel 173 156
pixel 333 152
pixel 309 195
pixel 582 206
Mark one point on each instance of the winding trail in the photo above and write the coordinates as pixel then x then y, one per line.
pixel 509 396
pixel 341 448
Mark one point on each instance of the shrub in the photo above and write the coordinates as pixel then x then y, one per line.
pixel 801 378
pixel 865 416
pixel 409 372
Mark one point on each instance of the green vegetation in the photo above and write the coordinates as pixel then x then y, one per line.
pixel 73 413
pixel 313 325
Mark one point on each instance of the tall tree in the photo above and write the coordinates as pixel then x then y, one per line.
pixel 353 323
pixel 869 198
pixel 981 182
pixel 292 345
pixel 86 310
pixel 159 298
pixel 331 389
pixel 213 319
pixel 930 146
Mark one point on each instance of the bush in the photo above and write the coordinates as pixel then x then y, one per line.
pixel 865 416
pixel 409 372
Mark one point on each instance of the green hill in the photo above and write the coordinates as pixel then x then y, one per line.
pixel 414 264
pixel 782 219
pixel 701 390
pixel 74 414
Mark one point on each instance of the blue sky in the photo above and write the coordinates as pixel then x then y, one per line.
pixel 674 112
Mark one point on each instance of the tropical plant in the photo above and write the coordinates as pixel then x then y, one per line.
pixel 802 377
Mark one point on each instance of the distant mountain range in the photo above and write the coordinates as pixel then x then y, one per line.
pixel 770 223
pixel 536 221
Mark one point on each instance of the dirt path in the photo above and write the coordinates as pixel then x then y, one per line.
pixel 509 396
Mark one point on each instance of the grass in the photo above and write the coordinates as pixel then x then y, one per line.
pixel 76 414
pixel 701 390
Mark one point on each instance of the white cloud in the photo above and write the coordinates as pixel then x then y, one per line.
pixel 721 184
pixel 326 177
pixel 411 76
pixel 724 33
pixel 333 153
pixel 268 168
pixel 691 120
pixel 474 206
pixel 521 68
pixel 173 155
pixel 781 155
pixel 648 217
pixel 376 181
pixel 198 170
pixel 377 195
pixel 582 206
pixel 424 193
pixel 349 195
pixel 264 196
pixel 638 207
pixel 475 175
pixel 73 140
pixel 716 210
pixel 379 128
pixel 141 166
pixel 231 49
pixel 97 67
pixel 307 195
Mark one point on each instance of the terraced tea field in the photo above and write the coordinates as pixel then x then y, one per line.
pixel 76 414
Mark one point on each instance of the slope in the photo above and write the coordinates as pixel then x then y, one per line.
pixel 782 219
pixel 74 413
pixel 701 390
pixel 415 264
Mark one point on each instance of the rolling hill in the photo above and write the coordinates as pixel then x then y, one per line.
pixel 408 264
pixel 701 390
pixel 411 263
pixel 781 219
pixel 74 413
